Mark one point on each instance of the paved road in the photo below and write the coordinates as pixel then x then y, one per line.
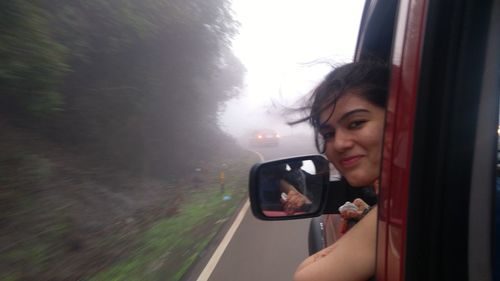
pixel 261 250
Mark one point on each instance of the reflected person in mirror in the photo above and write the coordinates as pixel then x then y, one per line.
pixel 270 192
pixel 292 199
pixel 347 111
pixel 296 176
pixel 295 197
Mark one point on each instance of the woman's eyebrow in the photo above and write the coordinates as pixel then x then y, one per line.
pixel 324 127
pixel 327 126
pixel 352 112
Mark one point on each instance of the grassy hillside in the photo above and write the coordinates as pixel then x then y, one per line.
pixel 65 218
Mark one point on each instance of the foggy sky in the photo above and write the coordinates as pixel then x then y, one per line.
pixel 287 47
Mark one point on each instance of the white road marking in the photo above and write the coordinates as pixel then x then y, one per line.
pixel 209 268
pixel 212 263
pixel 258 154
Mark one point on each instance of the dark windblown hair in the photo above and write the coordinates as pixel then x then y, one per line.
pixel 368 79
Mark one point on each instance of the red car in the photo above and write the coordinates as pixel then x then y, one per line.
pixel 438 214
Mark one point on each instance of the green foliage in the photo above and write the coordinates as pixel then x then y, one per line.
pixel 138 84
pixel 171 245
pixel 32 63
pixel 40 169
pixel 132 85
pixel 41 199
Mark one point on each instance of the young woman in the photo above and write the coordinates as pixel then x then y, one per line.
pixel 347 111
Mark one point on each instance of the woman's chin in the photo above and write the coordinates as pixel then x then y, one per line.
pixel 356 181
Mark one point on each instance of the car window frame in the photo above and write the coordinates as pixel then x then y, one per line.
pixel 447 129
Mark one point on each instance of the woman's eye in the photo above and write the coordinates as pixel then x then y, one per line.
pixel 356 124
pixel 328 135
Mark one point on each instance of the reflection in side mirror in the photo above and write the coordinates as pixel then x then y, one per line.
pixel 289 188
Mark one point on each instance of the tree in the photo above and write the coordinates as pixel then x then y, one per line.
pixel 32 62
pixel 134 83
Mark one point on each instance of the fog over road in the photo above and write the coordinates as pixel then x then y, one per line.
pixel 289 146
pixel 263 250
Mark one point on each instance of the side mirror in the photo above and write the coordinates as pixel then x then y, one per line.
pixel 290 188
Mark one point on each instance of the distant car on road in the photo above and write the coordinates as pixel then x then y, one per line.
pixel 264 137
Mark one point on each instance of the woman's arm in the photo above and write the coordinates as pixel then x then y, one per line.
pixel 286 187
pixel 351 258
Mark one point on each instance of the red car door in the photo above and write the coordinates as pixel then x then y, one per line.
pixel 397 154
pixel 437 178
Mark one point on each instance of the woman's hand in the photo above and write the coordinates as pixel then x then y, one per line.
pixel 351 213
pixel 294 202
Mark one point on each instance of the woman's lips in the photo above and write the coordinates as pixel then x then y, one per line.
pixel 348 162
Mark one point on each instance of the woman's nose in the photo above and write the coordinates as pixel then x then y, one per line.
pixel 342 141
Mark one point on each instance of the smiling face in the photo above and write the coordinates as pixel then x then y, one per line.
pixel 353 138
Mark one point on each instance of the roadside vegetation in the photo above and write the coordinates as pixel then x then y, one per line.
pixel 62 221
pixel 110 151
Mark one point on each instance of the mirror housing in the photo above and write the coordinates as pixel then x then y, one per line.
pixel 290 188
